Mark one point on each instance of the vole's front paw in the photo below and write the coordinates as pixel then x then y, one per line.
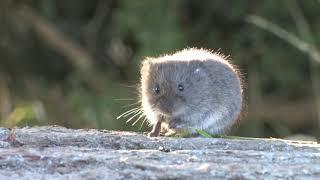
pixel 153 134
pixel 170 133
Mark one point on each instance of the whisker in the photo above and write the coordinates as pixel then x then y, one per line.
pixel 132 104
pixel 144 120
pixel 133 112
pixel 148 123
pixel 138 119
pixel 130 86
pixel 128 112
pixel 133 116
pixel 124 99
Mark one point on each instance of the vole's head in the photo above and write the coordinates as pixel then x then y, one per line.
pixel 174 88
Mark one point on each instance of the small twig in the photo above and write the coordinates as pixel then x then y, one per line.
pixel 96 23
pixel 59 42
pixel 5 99
pixel 285 35
pixel 300 21
pixel 305 32
pixel 307 46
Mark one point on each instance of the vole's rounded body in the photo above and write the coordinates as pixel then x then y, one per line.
pixel 191 89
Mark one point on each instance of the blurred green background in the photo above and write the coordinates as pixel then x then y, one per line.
pixel 75 63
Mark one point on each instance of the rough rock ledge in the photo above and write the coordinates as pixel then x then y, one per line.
pixel 53 152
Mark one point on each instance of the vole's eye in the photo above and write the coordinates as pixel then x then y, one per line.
pixel 156 89
pixel 180 87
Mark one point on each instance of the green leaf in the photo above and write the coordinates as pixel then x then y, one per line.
pixel 203 133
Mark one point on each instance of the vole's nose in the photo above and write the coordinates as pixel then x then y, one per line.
pixel 167 106
pixel 167 110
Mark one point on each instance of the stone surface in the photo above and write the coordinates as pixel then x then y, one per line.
pixel 53 152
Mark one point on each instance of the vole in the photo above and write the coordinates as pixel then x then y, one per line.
pixel 190 89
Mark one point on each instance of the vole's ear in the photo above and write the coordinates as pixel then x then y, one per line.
pixel 199 71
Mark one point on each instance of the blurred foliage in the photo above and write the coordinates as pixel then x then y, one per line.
pixel 76 63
